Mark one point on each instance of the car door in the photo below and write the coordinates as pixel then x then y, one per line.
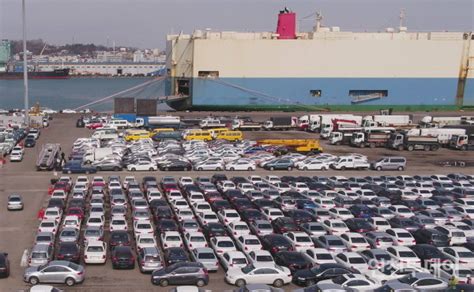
pixel 258 276
pixel 49 275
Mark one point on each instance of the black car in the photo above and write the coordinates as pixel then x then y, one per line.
pixel 429 254
pixel 162 212
pixel 249 215
pixel 122 258
pixel 300 216
pixel 358 225
pixel 4 265
pixel 361 211
pixel 30 142
pixel 56 202
pixel 213 229
pixel 218 205
pixel 175 255
pixel 276 242
pixel 176 165
pixel 311 276
pixel 218 177
pixel 68 251
pixel 119 238
pixel 242 204
pixel 405 223
pixel 233 194
pixel 293 260
pixel 264 203
pixel 164 225
pixel 284 224
pixel 186 273
pixel 431 236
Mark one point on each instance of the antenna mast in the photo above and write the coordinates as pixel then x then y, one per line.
pixel 319 19
pixel 402 18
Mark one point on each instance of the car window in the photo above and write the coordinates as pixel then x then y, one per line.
pixel 428 282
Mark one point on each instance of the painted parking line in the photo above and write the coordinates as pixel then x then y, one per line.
pixel 24 259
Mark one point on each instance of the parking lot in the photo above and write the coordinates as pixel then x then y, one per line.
pixel 17 229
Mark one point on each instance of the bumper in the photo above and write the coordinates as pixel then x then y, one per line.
pixel 14 207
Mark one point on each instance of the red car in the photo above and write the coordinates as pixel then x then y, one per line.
pixel 94 125
pixel 75 211
pixel 169 186
pixel 59 186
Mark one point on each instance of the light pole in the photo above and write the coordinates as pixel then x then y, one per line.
pixel 25 65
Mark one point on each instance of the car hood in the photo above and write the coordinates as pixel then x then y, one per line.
pixel 234 272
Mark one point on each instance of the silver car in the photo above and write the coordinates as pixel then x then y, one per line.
pixel 149 259
pixel 15 202
pixel 69 234
pixel 45 238
pixel 207 257
pixel 93 233
pixel 55 272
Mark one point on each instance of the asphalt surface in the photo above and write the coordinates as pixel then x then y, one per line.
pixel 17 229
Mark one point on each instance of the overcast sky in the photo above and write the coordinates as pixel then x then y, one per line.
pixel 145 23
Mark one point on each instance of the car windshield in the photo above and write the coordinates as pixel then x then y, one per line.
pixel 225 244
pixel 465 254
pixel 356 261
pixel 335 242
pixel 38 255
pixel 239 261
pixel 95 249
pixel 407 254
pixel 264 258
pixel 323 256
pixel 339 280
pixel 206 256
pixel 252 241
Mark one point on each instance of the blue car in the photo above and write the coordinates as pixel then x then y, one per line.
pixel 78 167
pixel 305 204
pixel 361 211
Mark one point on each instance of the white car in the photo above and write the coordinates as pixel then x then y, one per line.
pixel 171 239
pixel 53 213
pixel 355 282
pixel 335 226
pixel 185 180
pixel 238 228
pixel 459 255
pixel 59 194
pixel 231 259
pixel 97 221
pixel 228 215
pixel 404 255
pixel 195 239
pixel 273 213
pixel 392 271
pixel 313 165
pixel 300 240
pixel 401 236
pixel 209 165
pixel 352 260
pixel 142 227
pixel 245 187
pixel 456 236
pixel 259 274
pixel 379 223
pixel 145 240
pixel 401 211
pixel 248 243
pixel 222 244
pixel 320 256
pixel 72 221
pixel 16 156
pixel 240 165
pixel 261 257
pixel 226 185
pixel 325 203
pixel 118 222
pixel 142 165
pixel 184 214
pixel 207 217
pixel 340 213
pixel 48 225
pixel 468 231
pixel 95 252
pixel 355 241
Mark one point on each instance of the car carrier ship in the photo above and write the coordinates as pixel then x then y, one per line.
pixel 326 68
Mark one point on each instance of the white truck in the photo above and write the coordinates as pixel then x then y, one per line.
pixel 313 123
pixel 94 154
pixel 245 125
pixel 351 162
pixel 430 121
pixel 388 120
pixel 443 134
pixel 339 122
pixel 208 123
pixel 105 134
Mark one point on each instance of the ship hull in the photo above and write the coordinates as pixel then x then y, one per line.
pixel 299 93
pixel 56 74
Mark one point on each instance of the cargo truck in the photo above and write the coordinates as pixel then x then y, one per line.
pixel 443 134
pixel 281 123
pixel 352 122
pixel 371 139
pixel 154 122
pixel 315 122
pixel 429 121
pixel 94 154
pixel 402 141
pixel 246 125
pixel 462 142
pixel 389 120
pixel 342 137
pixel 209 123
pixel 350 162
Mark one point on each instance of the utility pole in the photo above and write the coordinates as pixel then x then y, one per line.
pixel 25 66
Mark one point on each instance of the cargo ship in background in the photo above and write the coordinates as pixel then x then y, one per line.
pixel 326 68
pixel 54 74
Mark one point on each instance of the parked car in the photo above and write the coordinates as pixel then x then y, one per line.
pixel 186 273
pixel 70 273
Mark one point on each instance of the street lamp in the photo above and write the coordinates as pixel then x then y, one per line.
pixel 25 65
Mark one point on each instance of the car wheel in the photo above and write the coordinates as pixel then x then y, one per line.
pixel 133 169
pixel 87 172
pixel 167 168
pixel 400 168
pixel 69 172
pixel 272 168
pixel 249 169
pixel 99 169
pixel 240 283
pixel 70 282
pixel 305 168
pixel 200 283
pixel 164 283
pixel 278 283
pixel 34 281
pixel 290 168
pixel 218 169
pixel 116 168
pixel 199 169
pixel 310 283
pixel 343 168
pixel 378 168
pixel 151 169
pixel 324 168
pixel 232 169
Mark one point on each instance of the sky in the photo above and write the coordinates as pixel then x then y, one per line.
pixel 145 23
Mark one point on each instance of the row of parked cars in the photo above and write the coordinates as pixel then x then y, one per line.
pixel 359 233
pixel 217 155
pixel 13 141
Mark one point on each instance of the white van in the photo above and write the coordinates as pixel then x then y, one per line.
pixel 119 124
pixel 105 134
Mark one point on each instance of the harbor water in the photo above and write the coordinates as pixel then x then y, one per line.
pixel 71 93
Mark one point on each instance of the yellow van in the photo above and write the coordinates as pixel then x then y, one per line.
pixel 134 135
pixel 198 135
pixel 160 130
pixel 230 135
pixel 216 131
